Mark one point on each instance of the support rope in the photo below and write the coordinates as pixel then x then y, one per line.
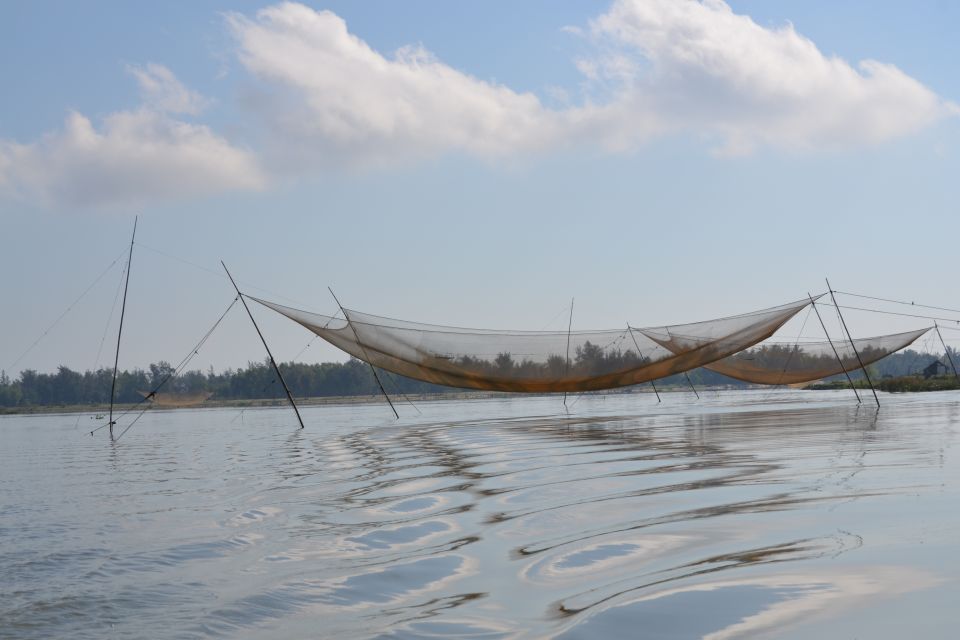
pixel 218 274
pixel 64 313
pixel 893 313
pixel 909 304
pixel 179 368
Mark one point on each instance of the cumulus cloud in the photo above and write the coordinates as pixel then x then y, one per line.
pixel 344 98
pixel 160 89
pixel 325 98
pixel 700 67
pixel 661 67
pixel 134 157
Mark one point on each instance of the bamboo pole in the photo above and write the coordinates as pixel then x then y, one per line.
pixel 630 329
pixel 946 350
pixel 366 357
pixel 852 345
pixel 839 360
pixel 567 368
pixel 690 382
pixel 265 346
pixel 123 309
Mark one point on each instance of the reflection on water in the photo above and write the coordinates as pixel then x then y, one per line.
pixel 786 514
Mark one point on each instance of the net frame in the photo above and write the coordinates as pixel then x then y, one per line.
pixel 776 363
pixel 535 361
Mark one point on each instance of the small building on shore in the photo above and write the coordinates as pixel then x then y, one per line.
pixel 934 369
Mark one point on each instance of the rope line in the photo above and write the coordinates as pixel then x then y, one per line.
pixel 892 313
pixel 217 273
pixel 396 385
pixel 106 328
pixel 304 349
pixel 909 304
pixel 183 363
pixel 565 309
pixel 65 312
pixel 796 345
pixel 180 367
pixel 315 336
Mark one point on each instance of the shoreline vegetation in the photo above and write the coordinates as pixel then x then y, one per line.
pixel 899 384
pixel 893 385
pixel 351 382
pixel 456 394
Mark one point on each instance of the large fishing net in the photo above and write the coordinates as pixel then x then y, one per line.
pixel 539 361
pixel 793 363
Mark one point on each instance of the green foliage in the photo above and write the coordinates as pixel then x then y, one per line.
pixel 916 383
pixel 257 381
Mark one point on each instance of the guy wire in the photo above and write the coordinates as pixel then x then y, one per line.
pixel 909 304
pixel 183 363
pixel 66 311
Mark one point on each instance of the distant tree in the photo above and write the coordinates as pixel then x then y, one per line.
pixel 557 365
pixel 504 361
pixel 258 380
pixel 160 372
pixel 9 391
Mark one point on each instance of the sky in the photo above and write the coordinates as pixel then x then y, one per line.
pixel 470 164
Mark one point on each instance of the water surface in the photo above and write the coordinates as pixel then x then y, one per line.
pixel 743 514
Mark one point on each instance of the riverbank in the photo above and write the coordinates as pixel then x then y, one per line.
pixel 899 384
pixel 306 402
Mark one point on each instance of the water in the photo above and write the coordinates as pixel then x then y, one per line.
pixel 745 514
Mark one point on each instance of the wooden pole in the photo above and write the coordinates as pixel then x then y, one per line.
pixel 640 355
pixel 123 308
pixel 852 345
pixel 364 350
pixel 567 368
pixel 265 346
pixel 839 361
pixel 690 382
pixel 946 350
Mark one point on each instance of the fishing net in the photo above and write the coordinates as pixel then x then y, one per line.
pixel 176 399
pixel 539 361
pixel 786 363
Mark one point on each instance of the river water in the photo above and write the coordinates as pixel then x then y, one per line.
pixel 783 514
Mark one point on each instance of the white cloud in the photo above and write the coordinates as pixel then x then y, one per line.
pixel 135 157
pixel 706 69
pixel 326 98
pixel 160 89
pixel 661 67
pixel 345 99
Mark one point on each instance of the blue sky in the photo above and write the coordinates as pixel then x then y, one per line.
pixel 660 161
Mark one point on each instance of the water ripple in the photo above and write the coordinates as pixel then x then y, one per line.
pixel 498 518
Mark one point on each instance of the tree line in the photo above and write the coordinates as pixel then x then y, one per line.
pixel 258 381
pixel 254 382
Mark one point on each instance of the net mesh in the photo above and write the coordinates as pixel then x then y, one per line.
pixel 789 363
pixel 176 399
pixel 539 361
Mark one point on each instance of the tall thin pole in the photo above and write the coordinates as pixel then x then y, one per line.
pixel 265 346
pixel 123 308
pixel 567 367
pixel 946 350
pixel 839 361
pixel 796 348
pixel 852 345
pixel 630 330
pixel 364 350
pixel 690 382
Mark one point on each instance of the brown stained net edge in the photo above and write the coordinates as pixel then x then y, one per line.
pixel 447 356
